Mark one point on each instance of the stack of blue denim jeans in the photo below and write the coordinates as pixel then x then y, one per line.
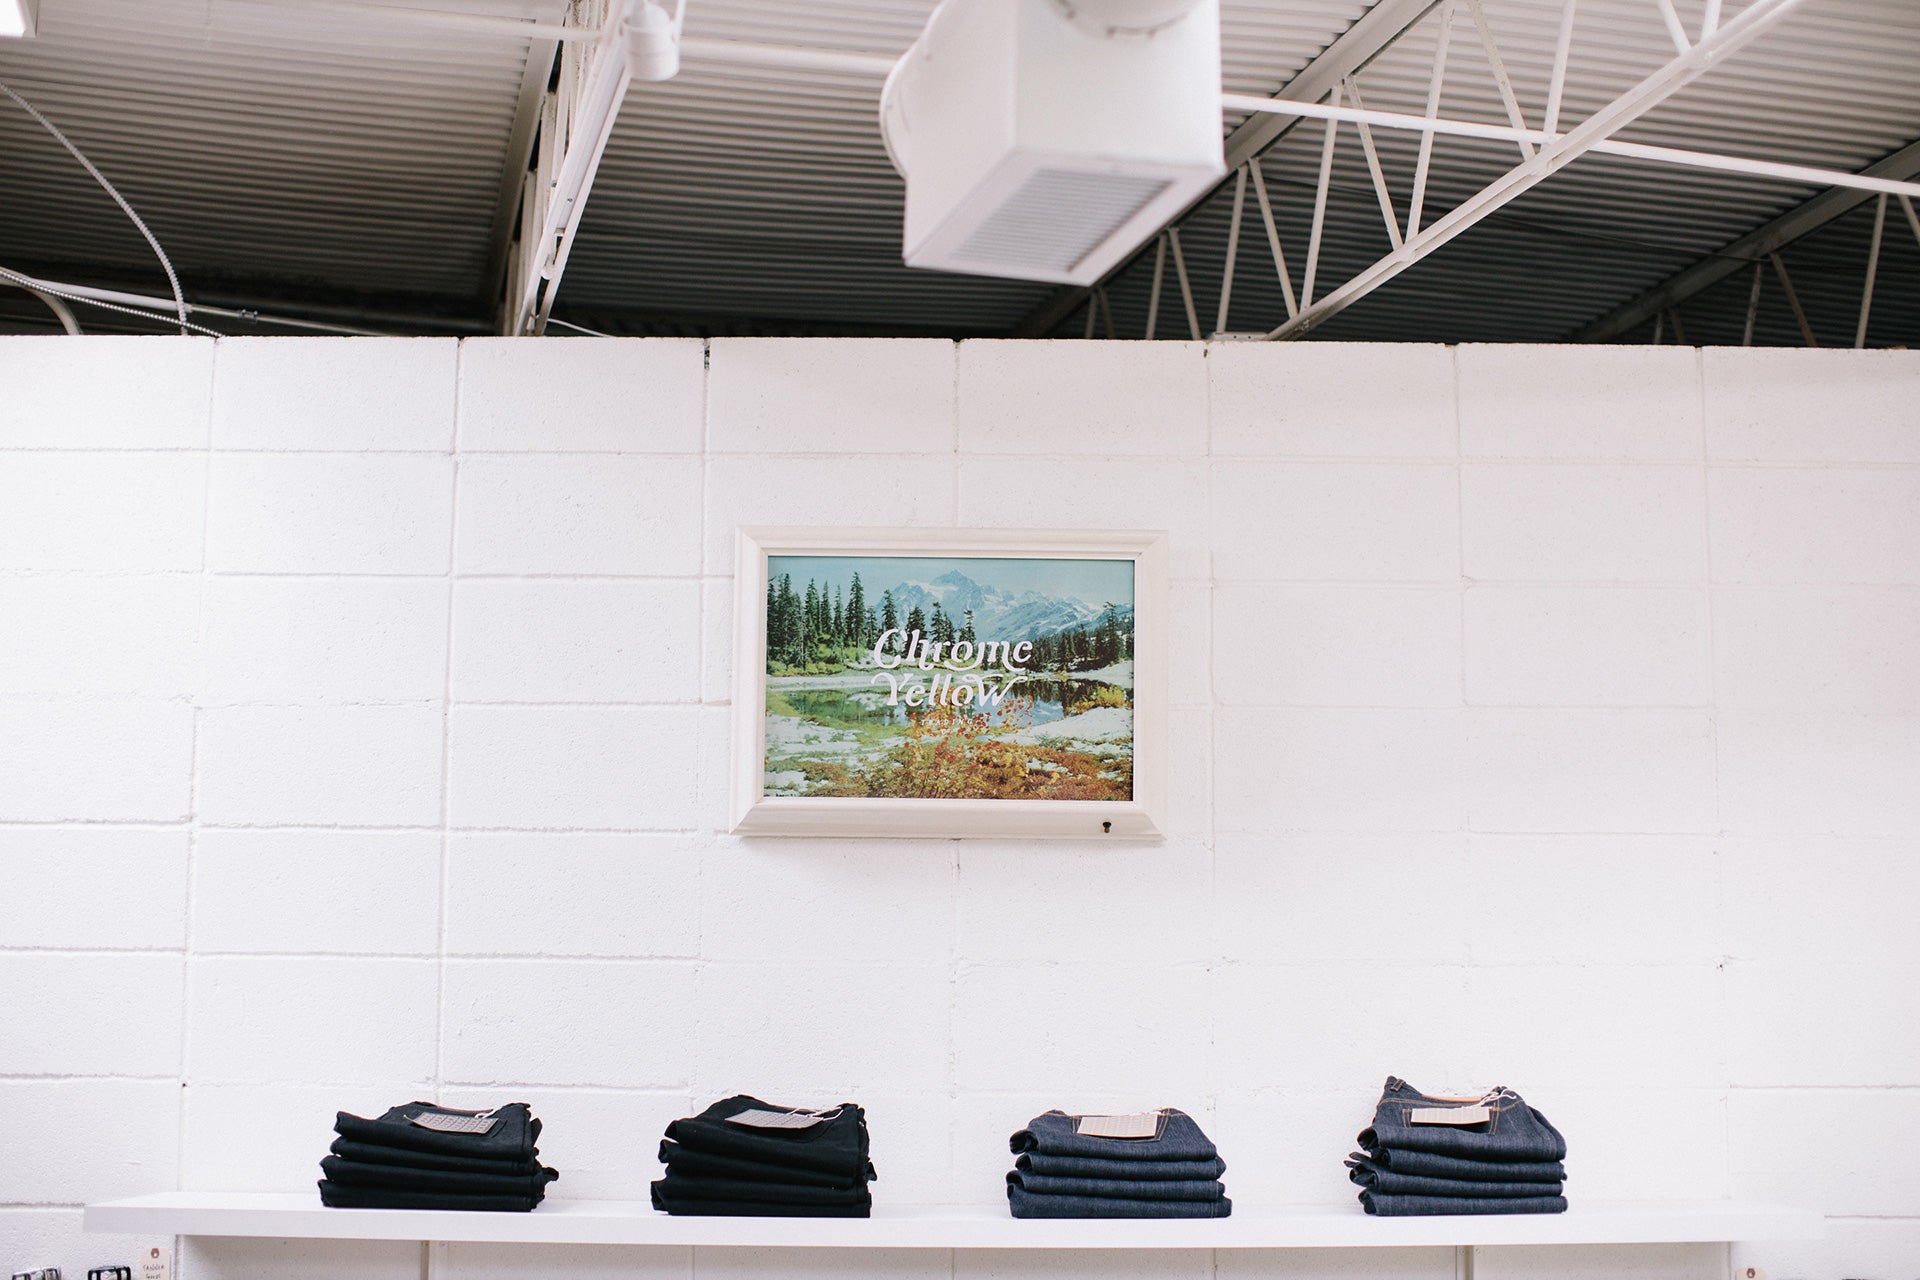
pixel 1061 1172
pixel 1425 1155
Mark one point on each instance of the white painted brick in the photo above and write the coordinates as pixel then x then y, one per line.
pixel 1102 1027
pixel 1318 1026
pixel 1587 646
pixel 711 786
pixel 1189 774
pixel 1106 398
pixel 311 891
pixel 1332 399
pixel 716 639
pixel 1826 1149
pixel 1604 1262
pixel 104 1015
pixel 831 395
pixel 1082 1264
pixel 1587 401
pixel 1813 649
pixel 1585 523
pixel 1284 1145
pixel 1095 493
pixel 576 641
pixel 329 513
pixel 1608 1152
pixel 315 1019
pixel 118 760
pixel 1820 526
pixel 1366 522
pixel 1026 901
pixel 770 901
pixel 296 640
pixel 334 393
pixel 1579 770
pixel 568 767
pixel 574 894
pixel 1295 899
pixel 1337 646
pixel 1828 773
pixel 1190 644
pixel 1821 900
pixel 584 394
pixel 1823 1022
pixel 603 1141
pixel 822 1264
pixel 93 886
pixel 109 392
pixel 1572 1036
pixel 1339 770
pixel 1336 1264
pixel 243 1258
pixel 593 515
pixel 1595 899
pixel 563 1261
pixel 34 1238
pixel 905 490
pixel 90 636
pixel 548 1022
pixel 1849 1247
pixel 104 512
pixel 360 766
pixel 271 1137
pixel 1784 404
pixel 806 1033
pixel 89 1139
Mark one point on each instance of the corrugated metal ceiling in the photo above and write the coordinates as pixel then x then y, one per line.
pixel 359 165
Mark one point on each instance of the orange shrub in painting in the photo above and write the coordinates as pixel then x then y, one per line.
pixel 951 755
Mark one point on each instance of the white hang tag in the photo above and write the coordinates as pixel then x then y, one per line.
pixel 1449 1115
pixel 156 1262
pixel 440 1122
pixel 777 1119
pixel 1139 1124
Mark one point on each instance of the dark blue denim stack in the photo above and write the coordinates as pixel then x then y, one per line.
pixel 1424 1155
pixel 1060 1172
pixel 397 1162
pixel 744 1158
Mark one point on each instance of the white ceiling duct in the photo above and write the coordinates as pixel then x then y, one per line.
pixel 1043 141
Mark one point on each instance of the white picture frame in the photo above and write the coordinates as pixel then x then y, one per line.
pixel 1141 817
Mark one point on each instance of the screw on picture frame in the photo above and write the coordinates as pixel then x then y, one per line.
pixel 1107 827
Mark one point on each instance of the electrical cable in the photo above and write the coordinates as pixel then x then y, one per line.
pixel 32 285
pixel 179 299
pixel 578 328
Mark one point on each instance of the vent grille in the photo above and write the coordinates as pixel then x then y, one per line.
pixel 1056 218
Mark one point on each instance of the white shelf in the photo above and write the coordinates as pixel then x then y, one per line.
pixel 303 1217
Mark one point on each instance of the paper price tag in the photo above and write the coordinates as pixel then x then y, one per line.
pixel 1139 1124
pixel 1449 1115
pixel 776 1119
pixel 440 1122
pixel 156 1263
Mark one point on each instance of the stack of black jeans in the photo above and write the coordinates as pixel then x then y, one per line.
pixel 745 1158
pixel 1061 1172
pixel 420 1156
pixel 1424 1155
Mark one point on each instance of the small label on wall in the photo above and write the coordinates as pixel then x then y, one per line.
pixel 1449 1115
pixel 156 1262
pixel 1140 1124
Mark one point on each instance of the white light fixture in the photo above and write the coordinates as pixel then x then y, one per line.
pixel 1049 139
pixel 16 17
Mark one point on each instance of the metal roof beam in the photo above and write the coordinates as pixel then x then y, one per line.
pixel 1751 248
pixel 513 172
pixel 1359 44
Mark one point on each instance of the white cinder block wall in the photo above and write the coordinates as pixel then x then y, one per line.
pixel 1542 716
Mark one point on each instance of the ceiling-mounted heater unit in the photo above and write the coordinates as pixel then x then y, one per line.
pixel 1047 140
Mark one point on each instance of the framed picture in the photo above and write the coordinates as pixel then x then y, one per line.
pixel 949 682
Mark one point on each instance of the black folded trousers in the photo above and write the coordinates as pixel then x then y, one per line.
pixel 666 1197
pixel 511 1137
pixel 399 1157
pixel 679 1187
pixel 435 1181
pixel 837 1145
pixel 340 1196
pixel 706 1164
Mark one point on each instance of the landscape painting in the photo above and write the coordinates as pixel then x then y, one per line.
pixel 949 677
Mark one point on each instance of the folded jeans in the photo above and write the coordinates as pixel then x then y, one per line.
pixel 1406 1119
pixel 1055 1133
pixel 397 1177
pixel 685 1207
pixel 836 1144
pixel 1387 1182
pixel 1431 1206
pixel 1427 1164
pixel 1115 1189
pixel 1025 1204
pixel 400 1157
pixel 340 1196
pixel 688 1160
pixel 511 1137
pixel 680 1186
pixel 1123 1170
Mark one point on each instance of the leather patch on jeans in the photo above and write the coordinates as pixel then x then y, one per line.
pixel 440 1122
pixel 1141 1124
pixel 1449 1115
